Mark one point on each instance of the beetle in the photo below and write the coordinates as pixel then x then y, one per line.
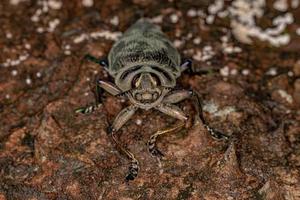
pixel 145 65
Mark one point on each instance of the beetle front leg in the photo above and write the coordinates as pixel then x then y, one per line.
pixel 120 120
pixel 100 87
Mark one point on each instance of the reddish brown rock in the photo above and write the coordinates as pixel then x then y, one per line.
pixel 49 152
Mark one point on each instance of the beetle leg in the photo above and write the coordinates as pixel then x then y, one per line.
pixel 100 87
pixel 120 120
pixel 181 95
pixel 173 111
pixel 186 65
pixel 109 87
pixel 123 116
pixel 152 141
pixel 184 94
pixel 216 134
pixel 177 96
pixel 102 62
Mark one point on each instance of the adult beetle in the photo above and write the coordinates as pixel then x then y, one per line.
pixel 145 66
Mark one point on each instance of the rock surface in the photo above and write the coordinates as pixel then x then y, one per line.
pixel 49 152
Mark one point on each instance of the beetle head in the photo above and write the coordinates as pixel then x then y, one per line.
pixel 146 91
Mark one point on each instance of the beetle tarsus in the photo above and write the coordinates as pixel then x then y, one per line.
pixel 102 62
pixel 152 141
pixel 216 134
pixel 88 109
pixel 133 170
pixel 134 164
pixel 212 132
pixel 152 148
pixel 187 64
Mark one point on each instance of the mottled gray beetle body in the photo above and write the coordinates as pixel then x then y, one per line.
pixel 145 65
pixel 145 51
pixel 144 48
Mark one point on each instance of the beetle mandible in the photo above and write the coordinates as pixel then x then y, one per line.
pixel 145 66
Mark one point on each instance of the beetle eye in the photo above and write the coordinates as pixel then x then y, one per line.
pixel 154 79
pixel 136 81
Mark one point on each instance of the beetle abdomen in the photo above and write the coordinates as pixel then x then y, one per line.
pixel 144 44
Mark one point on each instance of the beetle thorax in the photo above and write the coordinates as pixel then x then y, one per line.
pixel 146 91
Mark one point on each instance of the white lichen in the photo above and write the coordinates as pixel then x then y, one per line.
pixel 191 12
pixel 67 52
pixel 138 122
pixel 245 72
pixel 53 24
pixel 206 54
pixel 115 21
pixel 14 62
pixel 290 73
pixel 80 38
pixel 243 16
pixel 272 71
pixel 212 108
pixel 174 18
pixel 243 23
pixel 285 96
pixel 213 9
pixel 87 3
pixel 14 72
pixel 28 81
pixel 157 19
pixel 55 4
pixel 281 5
pixel 40 30
pixel 16 2
pixel 9 35
pixel 224 71
pixel 27 46
pixel 197 40
pixel 178 43
pixel 95 35
pixel 234 72
pixel 106 34
pixel 295 4
pixel 298 31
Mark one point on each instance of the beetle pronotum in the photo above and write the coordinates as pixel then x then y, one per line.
pixel 145 66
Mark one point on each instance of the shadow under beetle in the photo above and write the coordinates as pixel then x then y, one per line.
pixel 145 65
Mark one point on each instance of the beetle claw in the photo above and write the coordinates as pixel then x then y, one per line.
pixel 216 134
pixel 133 170
pixel 88 109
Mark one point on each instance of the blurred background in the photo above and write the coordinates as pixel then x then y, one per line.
pixel 253 94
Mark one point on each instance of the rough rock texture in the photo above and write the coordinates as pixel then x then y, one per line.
pixel 49 152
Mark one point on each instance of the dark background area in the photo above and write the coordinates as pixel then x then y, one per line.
pixel 49 152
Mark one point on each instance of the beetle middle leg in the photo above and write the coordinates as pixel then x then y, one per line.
pixel 181 95
pixel 173 111
pixel 119 121
pixel 100 87
pixel 152 141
